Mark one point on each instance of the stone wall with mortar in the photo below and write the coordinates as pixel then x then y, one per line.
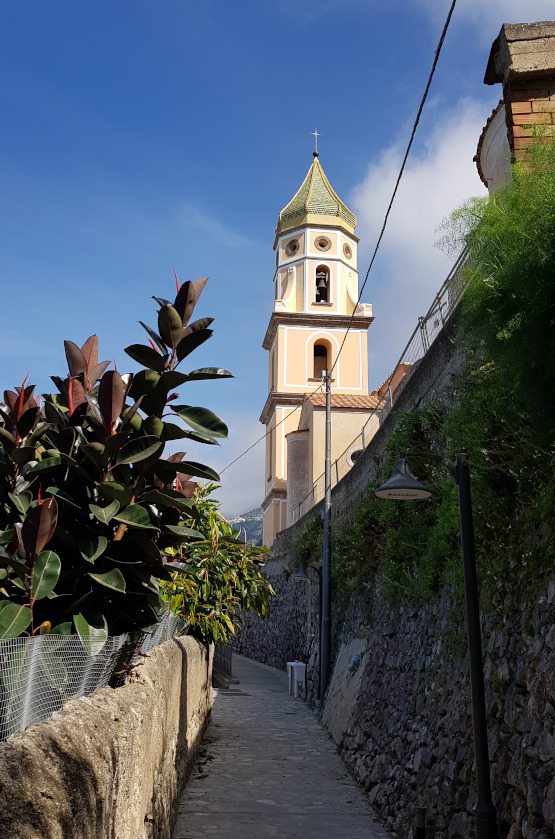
pixel 402 718
pixel 111 765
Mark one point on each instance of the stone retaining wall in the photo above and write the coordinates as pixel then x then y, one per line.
pixel 111 765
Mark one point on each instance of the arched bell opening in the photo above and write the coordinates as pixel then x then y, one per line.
pixel 322 284
pixel 322 358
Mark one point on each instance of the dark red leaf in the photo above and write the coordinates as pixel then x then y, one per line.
pixel 39 526
pixel 76 361
pixel 111 397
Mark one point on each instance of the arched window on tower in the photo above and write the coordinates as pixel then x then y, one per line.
pixel 320 359
pixel 322 287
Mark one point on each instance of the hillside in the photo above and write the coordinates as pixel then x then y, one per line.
pixel 251 524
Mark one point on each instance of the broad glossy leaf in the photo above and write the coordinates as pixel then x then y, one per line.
pixel 135 516
pixel 91 548
pixel 202 323
pixel 173 432
pixel 170 326
pixel 168 498
pixel 173 379
pixel 202 420
pixel 131 417
pixel 7 440
pixel 96 453
pixel 44 465
pixel 209 373
pixel 161 301
pixel 155 337
pixel 190 342
pixel 154 426
pixel 93 635
pixel 198 470
pixel 63 496
pixel 45 574
pixel 104 514
pixel 21 500
pixel 115 491
pixel 62 629
pixel 24 454
pixel 111 397
pixel 39 526
pixel 65 440
pixel 13 562
pixel 14 619
pixel 113 579
pixel 198 286
pixel 76 361
pixel 184 303
pixel 138 449
pixel 75 395
pixel 187 533
pixel 54 416
pixel 144 383
pixel 27 421
pixel 95 373
pixel 90 351
pixel 147 357
pixel 115 443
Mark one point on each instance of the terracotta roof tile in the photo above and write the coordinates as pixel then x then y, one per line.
pixel 344 400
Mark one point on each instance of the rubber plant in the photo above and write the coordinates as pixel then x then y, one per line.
pixel 89 504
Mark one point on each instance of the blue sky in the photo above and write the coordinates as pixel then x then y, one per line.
pixel 139 136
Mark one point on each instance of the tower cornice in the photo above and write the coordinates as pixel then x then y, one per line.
pixel 280 399
pixel 307 319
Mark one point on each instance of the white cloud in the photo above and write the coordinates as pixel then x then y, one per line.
pixel 489 15
pixel 409 269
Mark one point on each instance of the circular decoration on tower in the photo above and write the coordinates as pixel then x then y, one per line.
pixel 292 247
pixel 348 251
pixel 323 243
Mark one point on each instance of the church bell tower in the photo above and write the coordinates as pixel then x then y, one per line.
pixel 315 313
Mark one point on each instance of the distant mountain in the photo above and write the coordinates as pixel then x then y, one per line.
pixel 251 523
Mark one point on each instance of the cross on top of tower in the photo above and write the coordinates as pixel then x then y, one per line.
pixel 315 135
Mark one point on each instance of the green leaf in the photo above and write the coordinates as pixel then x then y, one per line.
pixel 115 491
pixel 173 379
pixel 139 449
pixel 111 579
pixel 45 574
pixel 197 470
pixel 153 426
pixel 187 533
pixel 104 514
pixel 172 432
pixel 7 440
pixel 155 337
pixel 96 453
pixel 14 619
pixel 170 326
pixel 91 548
pixel 62 629
pixel 41 430
pixel 147 357
pixel 209 373
pixel 168 498
pixel 135 516
pixel 43 466
pixel 202 420
pixel 93 637
pixel 21 501
pixel 191 342
pixel 23 455
pixel 63 496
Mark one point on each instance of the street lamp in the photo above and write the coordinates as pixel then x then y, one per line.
pixel 403 486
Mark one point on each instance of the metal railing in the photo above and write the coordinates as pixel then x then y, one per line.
pixel 428 328
pixel 38 675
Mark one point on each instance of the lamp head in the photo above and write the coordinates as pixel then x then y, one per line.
pixel 402 486
pixel 301 574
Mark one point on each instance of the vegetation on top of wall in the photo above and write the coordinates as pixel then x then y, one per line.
pixel 505 419
pixel 217 577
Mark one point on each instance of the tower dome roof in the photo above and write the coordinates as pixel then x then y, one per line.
pixel 316 203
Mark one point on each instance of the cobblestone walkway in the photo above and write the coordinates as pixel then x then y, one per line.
pixel 268 769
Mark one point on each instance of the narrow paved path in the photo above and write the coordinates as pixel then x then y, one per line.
pixel 268 769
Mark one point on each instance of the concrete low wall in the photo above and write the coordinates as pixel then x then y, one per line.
pixel 111 765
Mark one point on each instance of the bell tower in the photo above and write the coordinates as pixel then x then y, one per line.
pixel 315 311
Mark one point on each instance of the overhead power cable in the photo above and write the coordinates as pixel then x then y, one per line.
pixel 380 237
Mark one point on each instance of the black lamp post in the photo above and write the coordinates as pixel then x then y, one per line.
pixel 403 486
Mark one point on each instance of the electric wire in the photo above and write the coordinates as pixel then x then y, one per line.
pixel 378 243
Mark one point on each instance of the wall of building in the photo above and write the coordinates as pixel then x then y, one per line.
pixel 402 719
pixel 111 765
